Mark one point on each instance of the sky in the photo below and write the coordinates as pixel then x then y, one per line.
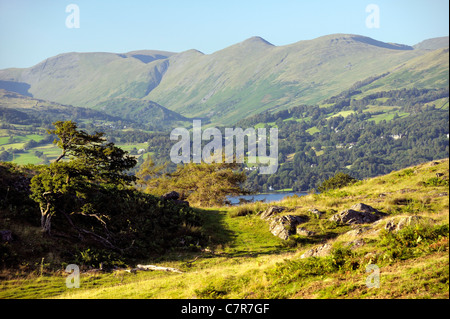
pixel 33 30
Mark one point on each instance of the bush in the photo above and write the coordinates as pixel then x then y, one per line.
pixel 435 181
pixel 93 258
pixel 338 181
pixel 413 241
pixel 340 259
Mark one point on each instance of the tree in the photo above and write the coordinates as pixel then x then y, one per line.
pixel 86 165
pixel 205 184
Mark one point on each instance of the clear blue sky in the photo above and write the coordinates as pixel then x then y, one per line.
pixel 33 30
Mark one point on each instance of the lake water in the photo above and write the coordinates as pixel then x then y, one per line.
pixel 267 198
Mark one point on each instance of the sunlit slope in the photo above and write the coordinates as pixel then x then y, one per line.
pixel 244 79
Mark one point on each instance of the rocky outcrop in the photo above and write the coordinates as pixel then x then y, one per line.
pixel 285 226
pixel 272 211
pixel 281 226
pixel 394 226
pixel 304 232
pixel 358 214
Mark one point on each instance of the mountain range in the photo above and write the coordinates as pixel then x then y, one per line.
pixel 226 86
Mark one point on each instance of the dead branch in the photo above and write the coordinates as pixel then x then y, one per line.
pixel 153 267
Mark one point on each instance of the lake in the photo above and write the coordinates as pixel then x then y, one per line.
pixel 267 197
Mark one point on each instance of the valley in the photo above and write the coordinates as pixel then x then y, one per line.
pixel 344 105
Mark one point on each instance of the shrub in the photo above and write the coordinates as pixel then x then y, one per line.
pixel 435 181
pixel 337 181
pixel 340 259
pixel 413 241
pixel 405 172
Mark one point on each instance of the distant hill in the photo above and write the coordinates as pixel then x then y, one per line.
pixel 17 108
pixel 241 80
pixel 432 44
pixel 140 111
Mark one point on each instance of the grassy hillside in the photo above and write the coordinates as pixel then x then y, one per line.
pixel 244 260
pixel 141 111
pixel 228 85
pixel 253 76
pixel 426 71
pixel 83 79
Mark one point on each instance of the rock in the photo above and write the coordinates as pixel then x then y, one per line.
pixel 390 226
pixel 408 221
pixel 316 212
pixel 360 207
pixel 281 226
pixel 434 163
pixel 318 251
pixel 358 214
pixel 171 195
pixel 271 211
pixel 356 243
pixel 350 216
pixel 6 235
pixel 284 226
pixel 357 232
pixel 393 226
pixel 304 232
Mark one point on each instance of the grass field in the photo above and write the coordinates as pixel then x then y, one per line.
pixel 51 151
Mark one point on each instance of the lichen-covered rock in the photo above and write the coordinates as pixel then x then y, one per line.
pixel 304 232
pixel 284 226
pixel 358 214
pixel 394 225
pixel 272 211
pixel 360 207
pixel 350 216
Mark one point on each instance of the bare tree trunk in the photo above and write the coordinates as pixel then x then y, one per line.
pixel 46 217
pixel 46 224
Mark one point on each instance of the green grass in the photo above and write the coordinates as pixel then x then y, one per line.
pixel 313 130
pixel 343 114
pixel 387 116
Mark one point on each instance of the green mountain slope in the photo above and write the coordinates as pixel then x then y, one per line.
pixel 432 44
pixel 241 80
pixel 253 76
pixel 430 70
pixel 140 111
pixel 84 79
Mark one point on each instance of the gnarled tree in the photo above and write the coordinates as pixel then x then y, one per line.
pixel 87 164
